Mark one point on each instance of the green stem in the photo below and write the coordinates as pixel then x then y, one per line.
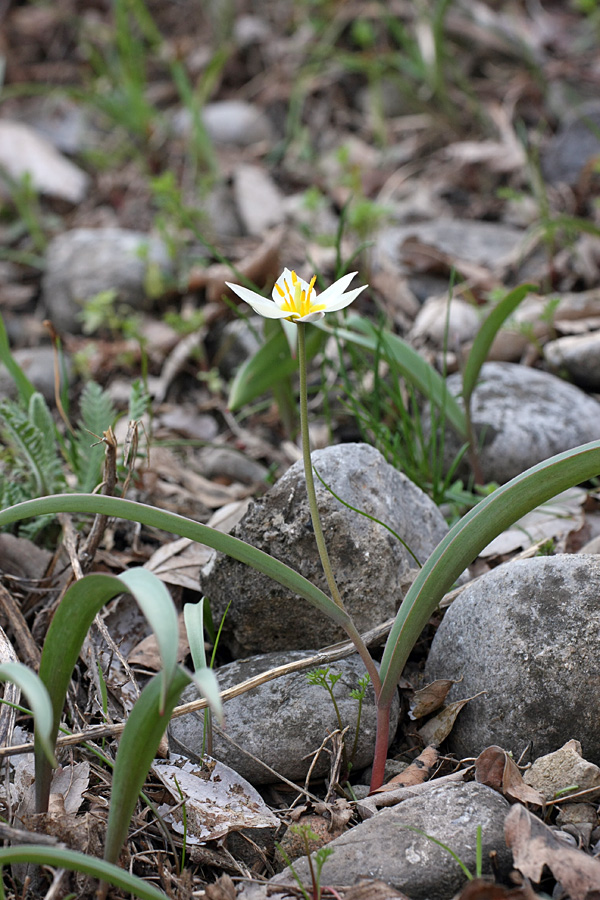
pixel 349 628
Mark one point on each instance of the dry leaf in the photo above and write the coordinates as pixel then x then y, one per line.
pixel 430 698
pixel 217 799
pixel 372 890
pixel 222 889
pixel 179 562
pixel 439 727
pixel 480 889
pixel 146 654
pixel 495 768
pixel 534 846
pixel 420 770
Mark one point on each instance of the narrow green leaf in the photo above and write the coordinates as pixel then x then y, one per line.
pixel 60 858
pixel 39 700
pixel 180 525
pixel 486 334
pixel 271 364
pixel 410 363
pixel 67 632
pixel 468 538
pixel 137 748
pixel 193 616
pixel 206 682
pixel 24 385
pixel 155 601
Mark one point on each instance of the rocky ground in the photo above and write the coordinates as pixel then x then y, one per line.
pixel 446 152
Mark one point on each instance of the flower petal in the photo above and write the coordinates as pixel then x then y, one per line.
pixel 259 304
pixel 344 300
pixel 334 290
pixel 311 317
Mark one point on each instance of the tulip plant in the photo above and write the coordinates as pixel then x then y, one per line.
pixel 297 304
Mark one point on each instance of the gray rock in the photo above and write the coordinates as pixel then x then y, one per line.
pixel 384 848
pixel 82 262
pixel 23 151
pixel 238 341
pixel 259 200
pixel 283 721
pixel 229 122
pixel 489 244
pixel 523 416
pixel 368 561
pixel 38 364
pixel 575 144
pixel 578 356
pixel 527 633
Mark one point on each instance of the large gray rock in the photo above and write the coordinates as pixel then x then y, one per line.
pixel 283 721
pixel 523 416
pixel 82 262
pixel 528 634
pixel 368 561
pixel 384 848
pixel 574 146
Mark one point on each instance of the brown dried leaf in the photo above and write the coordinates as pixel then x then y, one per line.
pixel 419 771
pixel 222 889
pixel 439 727
pixel 430 698
pixel 495 768
pixel 480 889
pixel 146 653
pixel 534 846
pixel 261 266
pixel 372 890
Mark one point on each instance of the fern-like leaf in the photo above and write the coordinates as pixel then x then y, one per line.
pixel 32 436
pixel 139 401
pixel 97 415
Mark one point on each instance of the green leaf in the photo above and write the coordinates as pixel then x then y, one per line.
pixel 67 632
pixel 184 527
pixel 155 601
pixel 137 749
pixel 39 700
pixel 60 858
pixel 24 385
pixel 410 363
pixel 486 334
pixel 269 366
pixel 206 682
pixel 468 538
pixel 193 616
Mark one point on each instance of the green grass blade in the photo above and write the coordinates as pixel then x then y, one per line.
pixel 60 858
pixel 410 364
pixel 137 748
pixel 39 700
pixel 468 538
pixel 180 525
pixel 486 334
pixel 155 601
pixel 24 385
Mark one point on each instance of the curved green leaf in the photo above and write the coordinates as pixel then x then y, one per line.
pixel 272 363
pixel 39 700
pixel 193 616
pixel 167 521
pixel 61 858
pixel 206 682
pixel 155 601
pixel 468 538
pixel 66 634
pixel 137 748
pixel 486 334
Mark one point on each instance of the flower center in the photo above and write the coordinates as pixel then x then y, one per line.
pixel 297 301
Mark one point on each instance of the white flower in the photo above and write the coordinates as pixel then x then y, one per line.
pixel 296 300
